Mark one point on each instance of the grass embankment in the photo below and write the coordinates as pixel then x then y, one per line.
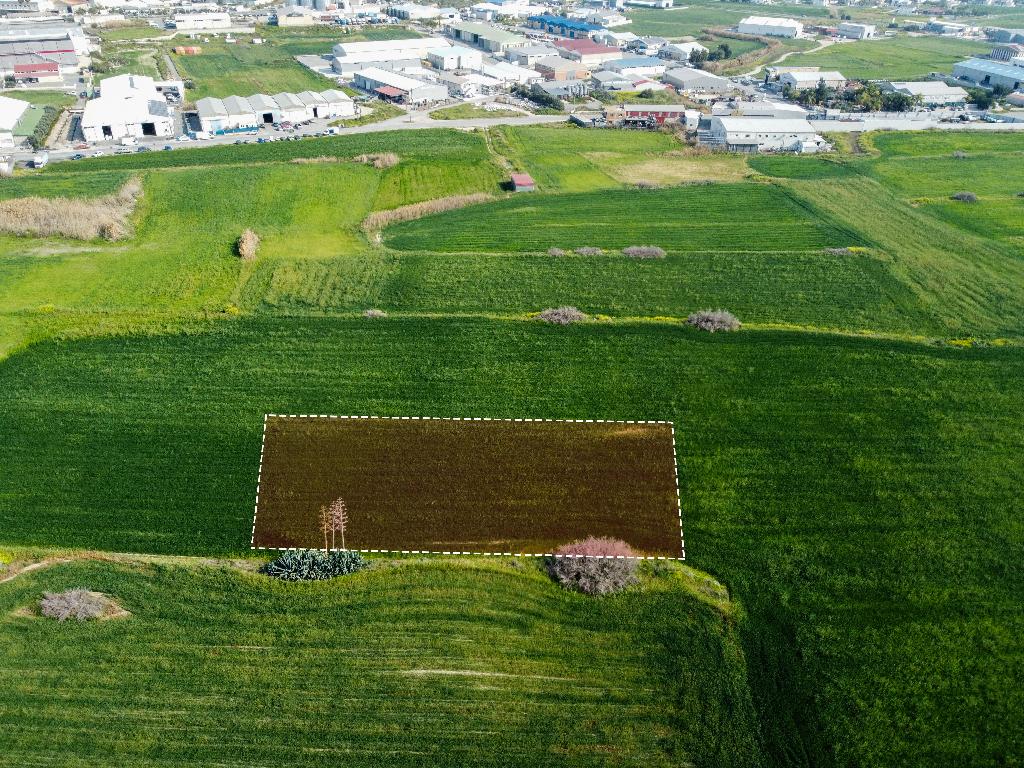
pixel 471 111
pixel 218 665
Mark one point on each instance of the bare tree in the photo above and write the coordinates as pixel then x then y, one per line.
pixel 333 520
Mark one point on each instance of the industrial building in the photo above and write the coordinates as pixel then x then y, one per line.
pixel 529 55
pixel 455 57
pixel 990 74
pixel 511 73
pixel 484 36
pixel 759 134
pixel 397 87
pixel 932 93
pixel 349 58
pixel 586 51
pixel 45 54
pixel 800 80
pixel 637 66
pixel 770 26
pixel 698 81
pixel 228 115
pixel 856 31
pixel 11 113
pixel 681 51
pixel 291 109
pixel 187 22
pixel 265 108
pixel 562 26
pixel 557 68
pixel 129 106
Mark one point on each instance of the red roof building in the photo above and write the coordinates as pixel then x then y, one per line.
pixel 523 182
pixel 586 51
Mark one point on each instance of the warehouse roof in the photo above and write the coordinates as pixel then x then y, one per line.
pixel 486 31
pixel 771 21
pixel 11 111
pixel 211 107
pixel 765 125
pixel 562 21
pixel 993 68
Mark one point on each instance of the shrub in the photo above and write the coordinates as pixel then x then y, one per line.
pixel 374 314
pixel 247 245
pixel 43 127
pixel 964 197
pixel 380 219
pixel 588 250
pixel 839 252
pixel 379 160
pixel 714 320
pixel 645 184
pixel 562 315
pixel 80 604
pixel 556 252
pixel 593 566
pixel 644 252
pixel 959 155
pixel 313 565
pixel 79 218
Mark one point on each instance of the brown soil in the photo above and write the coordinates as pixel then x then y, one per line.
pixel 469 486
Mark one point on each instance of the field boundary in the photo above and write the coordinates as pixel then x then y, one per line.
pixel 675 469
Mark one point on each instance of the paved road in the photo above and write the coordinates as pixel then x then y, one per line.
pixel 413 120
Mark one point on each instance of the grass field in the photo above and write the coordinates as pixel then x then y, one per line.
pixel 694 17
pixel 226 69
pixel 421 484
pixel 896 58
pixel 687 218
pixel 849 460
pixel 218 666
pixel 469 111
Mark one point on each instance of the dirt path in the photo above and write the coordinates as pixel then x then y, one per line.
pixel 33 567
pixel 821 45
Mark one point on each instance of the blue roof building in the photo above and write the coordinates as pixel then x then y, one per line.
pixel 560 25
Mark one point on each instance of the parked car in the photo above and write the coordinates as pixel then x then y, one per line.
pixel 78 156
pixel 142 149
pixel 168 147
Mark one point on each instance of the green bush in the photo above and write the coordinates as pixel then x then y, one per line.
pixel 43 127
pixel 313 565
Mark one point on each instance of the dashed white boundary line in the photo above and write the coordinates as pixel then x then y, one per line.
pixel 675 469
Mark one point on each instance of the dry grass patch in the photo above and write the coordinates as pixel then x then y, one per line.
pixel 78 604
pixel 380 219
pixel 676 167
pixel 378 160
pixel 106 217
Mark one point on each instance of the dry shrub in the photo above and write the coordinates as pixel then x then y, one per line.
pixel 380 219
pixel 247 245
pixel 645 184
pixel 839 252
pixel 959 155
pixel 714 320
pixel 378 160
pixel 375 314
pixel 964 197
pixel 80 604
pixel 78 218
pixel 556 252
pixel 594 566
pixel 314 160
pixel 644 252
pixel 562 315
pixel 588 250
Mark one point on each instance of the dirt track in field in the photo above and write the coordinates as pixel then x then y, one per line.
pixel 468 486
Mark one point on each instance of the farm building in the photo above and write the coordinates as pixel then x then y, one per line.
pixel 698 81
pixel 557 68
pixel 201 21
pixel 336 104
pixel 933 93
pixel 213 115
pixel 529 55
pixel 455 57
pixel 800 80
pixel 227 115
pixel 523 182
pixel 349 58
pixel 490 39
pixel 11 113
pixel 770 26
pixel 638 66
pixel 586 51
pixel 129 106
pixel 563 27
pixel 989 73
pixel 681 51
pixel 292 110
pixel 758 134
pixel 856 31
pixel 396 87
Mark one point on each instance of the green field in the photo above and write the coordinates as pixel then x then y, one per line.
pixel 226 69
pixel 694 17
pixel 896 58
pixel 849 460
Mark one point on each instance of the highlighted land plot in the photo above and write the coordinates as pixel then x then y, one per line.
pixel 481 486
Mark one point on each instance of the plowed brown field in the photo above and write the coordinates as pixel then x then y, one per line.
pixel 487 486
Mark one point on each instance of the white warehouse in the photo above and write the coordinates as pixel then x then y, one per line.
pixel 770 26
pixel 391 85
pixel 129 106
pixel 188 22
pixel 801 80
pixel 455 57
pixel 349 58
pixel 757 134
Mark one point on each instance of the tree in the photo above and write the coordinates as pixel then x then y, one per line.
pixel 697 58
pixel 333 519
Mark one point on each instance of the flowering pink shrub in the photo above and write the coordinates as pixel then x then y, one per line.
pixel 594 566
